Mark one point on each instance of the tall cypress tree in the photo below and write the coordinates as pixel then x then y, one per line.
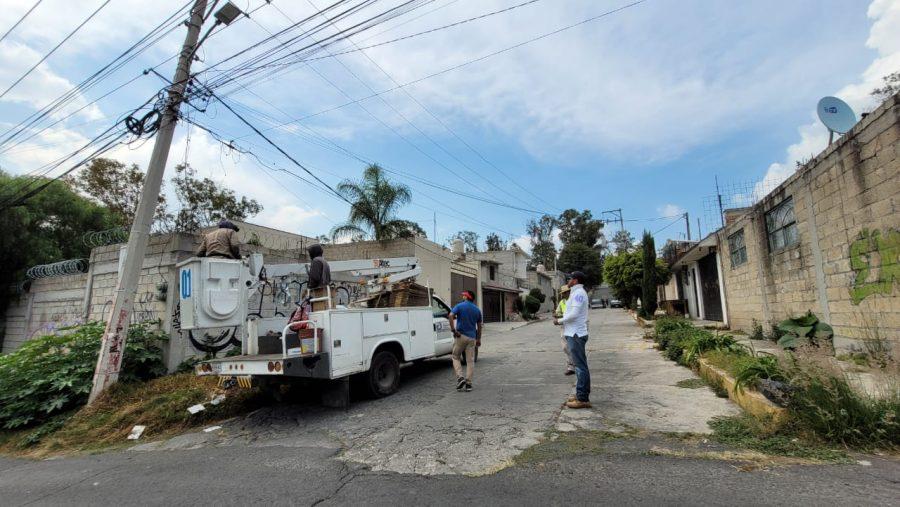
pixel 648 278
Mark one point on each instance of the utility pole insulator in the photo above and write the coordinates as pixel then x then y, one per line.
pixel 112 347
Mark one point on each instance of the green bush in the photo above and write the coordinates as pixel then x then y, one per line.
pixel 827 405
pixel 804 331
pixel 537 294
pixel 53 373
pixel 760 367
pixel 665 325
pixel 532 304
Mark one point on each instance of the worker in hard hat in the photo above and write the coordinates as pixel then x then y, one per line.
pixel 560 311
pixel 222 242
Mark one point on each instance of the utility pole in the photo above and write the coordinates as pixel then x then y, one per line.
pixel 687 225
pixel 435 227
pixel 618 213
pixel 699 232
pixel 113 346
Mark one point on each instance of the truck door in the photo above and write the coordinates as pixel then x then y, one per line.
pixel 443 340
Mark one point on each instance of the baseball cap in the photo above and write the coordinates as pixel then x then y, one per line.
pixel 578 275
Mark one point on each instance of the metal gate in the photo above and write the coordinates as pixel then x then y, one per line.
pixel 709 276
pixel 459 283
pixel 492 307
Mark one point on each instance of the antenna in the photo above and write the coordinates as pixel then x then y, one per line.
pixel 836 115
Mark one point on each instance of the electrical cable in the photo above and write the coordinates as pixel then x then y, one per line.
pixel 44 58
pixel 463 64
pixel 17 23
pixel 433 115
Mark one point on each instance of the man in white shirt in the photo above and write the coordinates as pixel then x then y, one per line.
pixel 575 329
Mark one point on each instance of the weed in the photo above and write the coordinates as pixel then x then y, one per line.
pixel 756 332
pixel 160 405
pixel 52 374
pixel 826 404
pixel 559 445
pixel 745 432
pixel 691 383
pixel 761 367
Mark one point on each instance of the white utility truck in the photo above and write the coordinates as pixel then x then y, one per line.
pixel 331 344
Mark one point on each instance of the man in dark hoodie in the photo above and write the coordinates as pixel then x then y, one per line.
pixel 221 242
pixel 319 276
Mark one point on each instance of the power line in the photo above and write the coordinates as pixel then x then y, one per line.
pixel 464 64
pixel 44 58
pixel 17 23
pixel 426 109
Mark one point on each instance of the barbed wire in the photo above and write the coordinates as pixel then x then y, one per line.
pixel 93 239
pixel 61 268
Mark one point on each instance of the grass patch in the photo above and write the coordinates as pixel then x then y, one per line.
pixel 732 363
pixel 558 445
pixel 746 432
pixel 691 383
pixel 160 405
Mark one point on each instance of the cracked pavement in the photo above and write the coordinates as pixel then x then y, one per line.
pixel 431 444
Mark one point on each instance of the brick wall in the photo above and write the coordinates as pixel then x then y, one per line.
pixel 845 266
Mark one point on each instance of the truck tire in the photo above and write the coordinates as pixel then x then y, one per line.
pixel 383 377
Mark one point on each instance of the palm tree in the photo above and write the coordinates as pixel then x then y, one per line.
pixel 375 201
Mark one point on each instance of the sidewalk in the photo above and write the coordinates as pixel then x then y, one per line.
pixel 632 385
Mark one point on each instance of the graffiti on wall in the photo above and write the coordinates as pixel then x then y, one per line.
pixel 875 258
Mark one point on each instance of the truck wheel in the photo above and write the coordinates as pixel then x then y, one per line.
pixel 383 377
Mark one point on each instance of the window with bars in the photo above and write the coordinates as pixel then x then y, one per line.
pixel 737 248
pixel 781 226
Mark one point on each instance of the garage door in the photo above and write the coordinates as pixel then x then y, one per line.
pixel 492 308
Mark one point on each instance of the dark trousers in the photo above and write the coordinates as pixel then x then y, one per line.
pixel 579 360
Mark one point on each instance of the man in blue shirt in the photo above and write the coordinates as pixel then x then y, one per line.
pixel 465 322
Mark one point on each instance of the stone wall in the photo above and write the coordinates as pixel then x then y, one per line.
pixel 845 266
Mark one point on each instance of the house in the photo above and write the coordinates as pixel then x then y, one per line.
pixel 503 279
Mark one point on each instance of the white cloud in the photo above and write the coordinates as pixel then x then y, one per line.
pixel 813 135
pixel 669 210
pixel 41 86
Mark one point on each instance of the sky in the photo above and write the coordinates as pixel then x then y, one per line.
pixel 644 109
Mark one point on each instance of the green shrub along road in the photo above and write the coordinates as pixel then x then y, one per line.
pixel 823 405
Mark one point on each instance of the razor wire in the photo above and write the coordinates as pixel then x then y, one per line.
pixel 93 239
pixel 61 268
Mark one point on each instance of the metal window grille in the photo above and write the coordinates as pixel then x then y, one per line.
pixel 781 226
pixel 737 248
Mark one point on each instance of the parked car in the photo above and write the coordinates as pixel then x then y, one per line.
pixel 597 303
pixel 615 303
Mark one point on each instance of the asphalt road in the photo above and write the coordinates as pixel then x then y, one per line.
pixel 429 444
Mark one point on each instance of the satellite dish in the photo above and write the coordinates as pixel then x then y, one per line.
pixel 836 115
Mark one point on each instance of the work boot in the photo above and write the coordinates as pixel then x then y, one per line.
pixel 578 404
pixel 460 383
pixel 571 397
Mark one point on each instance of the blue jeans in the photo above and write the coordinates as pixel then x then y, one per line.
pixel 579 360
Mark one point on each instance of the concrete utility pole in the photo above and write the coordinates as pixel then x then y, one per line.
pixel 687 225
pixel 113 346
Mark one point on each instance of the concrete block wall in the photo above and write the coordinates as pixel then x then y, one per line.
pixel 50 304
pixel 845 267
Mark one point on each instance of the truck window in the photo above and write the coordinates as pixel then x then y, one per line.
pixel 438 308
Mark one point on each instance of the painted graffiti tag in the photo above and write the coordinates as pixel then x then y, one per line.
pixel 864 252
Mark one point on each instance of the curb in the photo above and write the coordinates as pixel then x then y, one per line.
pixel 751 401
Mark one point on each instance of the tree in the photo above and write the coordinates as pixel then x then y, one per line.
pixel 543 251
pixel 375 202
pixel 493 243
pixel 891 87
pixel 469 238
pixel 648 275
pixel 575 227
pixel 118 188
pixel 203 202
pixel 624 274
pixel 580 257
pixel 46 228
pixel 623 241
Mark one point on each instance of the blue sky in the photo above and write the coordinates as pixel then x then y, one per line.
pixel 639 110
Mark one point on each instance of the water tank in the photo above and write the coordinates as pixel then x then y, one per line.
pixel 541 268
pixel 458 247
